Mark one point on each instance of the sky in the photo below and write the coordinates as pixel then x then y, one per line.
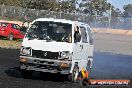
pixel 120 3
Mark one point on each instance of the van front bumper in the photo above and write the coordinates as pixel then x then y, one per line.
pixel 45 65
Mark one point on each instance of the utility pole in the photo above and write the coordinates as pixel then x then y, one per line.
pixel 110 10
pixel 110 17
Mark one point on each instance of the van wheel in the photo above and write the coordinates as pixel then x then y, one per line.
pixel 75 73
pixel 11 36
pixel 83 81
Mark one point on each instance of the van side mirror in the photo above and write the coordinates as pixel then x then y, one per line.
pixel 77 36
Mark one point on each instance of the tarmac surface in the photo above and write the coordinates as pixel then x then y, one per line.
pixel 116 44
pixel 105 66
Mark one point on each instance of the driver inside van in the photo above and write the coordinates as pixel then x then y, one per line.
pixel 68 35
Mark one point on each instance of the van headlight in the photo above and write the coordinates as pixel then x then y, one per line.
pixel 65 55
pixel 26 51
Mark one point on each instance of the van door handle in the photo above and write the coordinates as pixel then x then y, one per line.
pixel 81 46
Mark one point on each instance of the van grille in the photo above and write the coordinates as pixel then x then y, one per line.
pixel 45 54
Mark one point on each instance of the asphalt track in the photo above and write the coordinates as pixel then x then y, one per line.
pixel 105 66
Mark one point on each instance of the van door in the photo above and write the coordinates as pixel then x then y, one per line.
pixel 85 44
pixel 77 46
pixel 79 49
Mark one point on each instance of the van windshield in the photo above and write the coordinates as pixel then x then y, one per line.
pixel 50 31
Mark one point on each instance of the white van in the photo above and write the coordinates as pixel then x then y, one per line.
pixel 57 46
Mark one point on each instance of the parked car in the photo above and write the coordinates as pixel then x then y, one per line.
pixel 11 31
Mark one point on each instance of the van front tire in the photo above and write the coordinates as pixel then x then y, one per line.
pixel 26 74
pixel 74 74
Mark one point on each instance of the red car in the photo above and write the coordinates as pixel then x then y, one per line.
pixel 10 31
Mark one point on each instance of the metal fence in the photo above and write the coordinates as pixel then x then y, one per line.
pixel 25 14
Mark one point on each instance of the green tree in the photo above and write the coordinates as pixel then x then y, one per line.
pixel 11 2
pixel 67 6
pixel 99 7
pixel 127 10
pixel 116 12
pixel 95 7
pixel 41 4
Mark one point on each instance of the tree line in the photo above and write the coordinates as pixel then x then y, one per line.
pixel 90 7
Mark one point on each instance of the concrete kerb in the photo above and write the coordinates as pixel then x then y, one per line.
pixel 113 31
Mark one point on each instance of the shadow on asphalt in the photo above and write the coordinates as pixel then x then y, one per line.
pixel 15 72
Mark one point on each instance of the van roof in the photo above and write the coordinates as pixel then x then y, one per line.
pixel 60 20
pixel 56 20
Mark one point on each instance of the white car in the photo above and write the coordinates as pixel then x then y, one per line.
pixel 57 46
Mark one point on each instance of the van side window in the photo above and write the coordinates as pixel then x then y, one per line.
pixel 90 36
pixel 83 34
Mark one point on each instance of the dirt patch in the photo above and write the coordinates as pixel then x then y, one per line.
pixel 15 44
pixel 113 31
pixel 117 44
